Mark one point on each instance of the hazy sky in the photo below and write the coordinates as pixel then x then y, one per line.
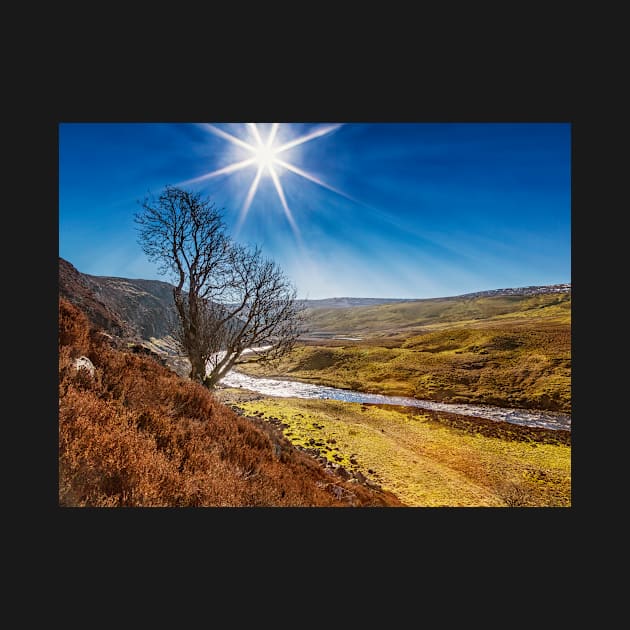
pixel 410 210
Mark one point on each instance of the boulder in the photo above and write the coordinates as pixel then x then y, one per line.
pixel 83 363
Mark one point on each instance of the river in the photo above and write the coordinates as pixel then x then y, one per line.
pixel 294 389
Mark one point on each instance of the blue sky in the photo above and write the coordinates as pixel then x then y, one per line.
pixel 418 210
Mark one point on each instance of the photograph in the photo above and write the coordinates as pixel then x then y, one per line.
pixel 314 314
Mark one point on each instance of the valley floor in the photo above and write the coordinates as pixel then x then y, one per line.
pixel 427 459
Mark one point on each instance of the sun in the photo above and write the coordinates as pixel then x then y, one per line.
pixel 266 158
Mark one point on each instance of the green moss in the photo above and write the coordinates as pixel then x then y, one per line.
pixel 424 461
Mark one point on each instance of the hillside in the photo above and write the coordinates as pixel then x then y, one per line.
pixel 79 290
pixel 512 351
pixel 145 307
pixel 134 434
pixel 421 315
pixel 347 302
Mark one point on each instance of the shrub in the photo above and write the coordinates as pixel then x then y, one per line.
pixel 138 435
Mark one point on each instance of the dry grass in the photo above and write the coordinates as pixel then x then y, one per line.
pixel 138 435
pixel 500 364
pixel 419 316
pixel 512 351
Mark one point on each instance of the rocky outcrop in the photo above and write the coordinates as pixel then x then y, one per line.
pixel 77 288
pixel 146 305
pixel 139 309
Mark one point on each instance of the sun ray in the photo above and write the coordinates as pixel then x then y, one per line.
pixel 272 134
pixel 231 168
pixel 228 136
pixel 248 200
pixel 254 128
pixel 299 171
pixel 322 131
pixel 265 158
pixel 287 211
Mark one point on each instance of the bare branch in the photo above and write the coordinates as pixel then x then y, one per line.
pixel 228 297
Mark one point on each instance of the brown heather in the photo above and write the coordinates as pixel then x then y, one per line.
pixel 138 435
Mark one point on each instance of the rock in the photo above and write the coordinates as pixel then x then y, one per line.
pixel 338 491
pixel 83 363
pixel 360 477
pixel 343 473
pixel 341 493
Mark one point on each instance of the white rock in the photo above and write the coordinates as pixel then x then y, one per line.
pixel 83 363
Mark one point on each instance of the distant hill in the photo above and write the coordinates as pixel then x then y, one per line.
pixel 349 302
pixel 533 290
pixel 554 303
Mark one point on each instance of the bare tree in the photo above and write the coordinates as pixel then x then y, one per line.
pixel 264 316
pixel 228 297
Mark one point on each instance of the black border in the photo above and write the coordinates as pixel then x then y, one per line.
pixel 410 534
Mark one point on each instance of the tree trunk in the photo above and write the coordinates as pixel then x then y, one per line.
pixel 198 368
pixel 221 370
pixel 211 380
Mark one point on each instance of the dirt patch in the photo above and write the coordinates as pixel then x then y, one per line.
pixel 233 395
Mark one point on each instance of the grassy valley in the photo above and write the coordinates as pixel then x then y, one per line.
pixel 512 351
pixel 508 351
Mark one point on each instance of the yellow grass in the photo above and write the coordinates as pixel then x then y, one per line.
pixel 425 462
